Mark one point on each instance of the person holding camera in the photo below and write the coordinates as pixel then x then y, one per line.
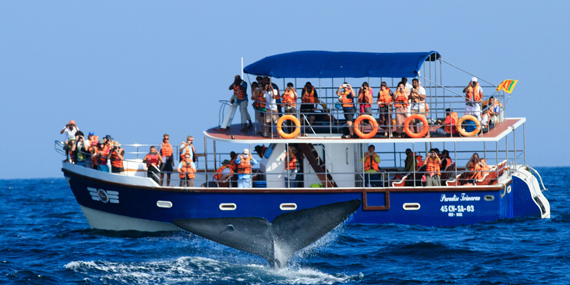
pixel 69 132
pixel 471 169
pixel 80 150
pixel 187 171
pixel 385 107
pixel 271 114
pixel 244 162
pixel 346 96
pixel 187 147
pixel 153 160
pixel 365 97
pixel 101 155
pixel 400 108
pixel 371 167
pixel 433 166
pixel 289 102
pixel 309 97
pixel 418 104
pixel 473 98
pixel 167 159
pixel 116 155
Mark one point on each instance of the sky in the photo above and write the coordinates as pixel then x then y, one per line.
pixel 139 69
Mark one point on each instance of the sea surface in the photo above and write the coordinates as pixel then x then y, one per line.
pixel 45 239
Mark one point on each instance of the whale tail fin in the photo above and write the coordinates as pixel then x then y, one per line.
pixel 276 242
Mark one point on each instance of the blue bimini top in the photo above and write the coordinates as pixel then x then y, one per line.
pixel 329 64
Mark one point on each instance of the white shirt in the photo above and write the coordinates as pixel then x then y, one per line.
pixel 484 120
pixel 408 88
pixel 270 101
pixel 70 133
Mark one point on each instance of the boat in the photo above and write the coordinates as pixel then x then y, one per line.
pixel 330 167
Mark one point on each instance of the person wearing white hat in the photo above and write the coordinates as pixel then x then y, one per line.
pixel 473 98
pixel 244 163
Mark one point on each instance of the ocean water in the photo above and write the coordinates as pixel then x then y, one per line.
pixel 45 239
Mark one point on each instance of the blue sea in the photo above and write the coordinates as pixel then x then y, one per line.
pixel 45 239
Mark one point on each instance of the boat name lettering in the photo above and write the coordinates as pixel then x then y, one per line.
pixel 454 198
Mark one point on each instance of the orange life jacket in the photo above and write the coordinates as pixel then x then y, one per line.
pixel 451 123
pixel 433 166
pixel 239 92
pixel 419 161
pixel 482 172
pixel 115 160
pixel 152 160
pixel 289 99
pixel 166 150
pixel 365 98
pixel 384 97
pixel 346 102
pixel 473 93
pixel 292 163
pixel 103 156
pixel 370 163
pixel 186 170
pixel 309 97
pixel 93 151
pixel 401 100
pixel 244 167
pixel 187 150
pixel 220 170
pixel 260 97
pixel 448 162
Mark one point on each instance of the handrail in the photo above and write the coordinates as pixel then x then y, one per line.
pixel 539 177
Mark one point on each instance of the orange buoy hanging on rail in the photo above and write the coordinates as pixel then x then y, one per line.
pixel 424 130
pixel 285 135
pixel 372 121
pixel 462 131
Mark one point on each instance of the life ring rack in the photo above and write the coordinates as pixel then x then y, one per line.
pixel 285 135
pixel 462 131
pixel 424 130
pixel 359 133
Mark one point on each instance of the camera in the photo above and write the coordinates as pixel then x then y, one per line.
pixel 344 85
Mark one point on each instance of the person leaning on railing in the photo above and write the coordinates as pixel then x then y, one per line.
pixel 371 167
pixel 153 160
pixel 385 107
pixel 224 174
pixel 187 171
pixel 433 169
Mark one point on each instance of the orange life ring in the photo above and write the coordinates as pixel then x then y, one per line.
pixel 464 133
pixel 421 134
pixel 285 135
pixel 371 120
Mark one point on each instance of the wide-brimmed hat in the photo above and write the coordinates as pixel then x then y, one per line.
pixel 108 137
pixel 116 144
pixel 246 150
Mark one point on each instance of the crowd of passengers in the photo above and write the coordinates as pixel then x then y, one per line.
pixel 96 153
pixel 269 103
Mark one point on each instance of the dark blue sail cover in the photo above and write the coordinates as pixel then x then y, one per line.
pixel 328 64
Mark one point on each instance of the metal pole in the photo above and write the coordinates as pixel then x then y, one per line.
pixel 524 143
pixel 394 154
pixel 441 82
pixel 414 164
pixel 215 160
pixel 515 144
pixel 206 158
pixel 485 149
pixel 287 165
pixel 435 79
pixel 456 162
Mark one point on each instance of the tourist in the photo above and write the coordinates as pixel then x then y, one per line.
pixel 260 150
pixel 244 163
pixel 365 97
pixel 291 168
pixel 258 99
pixel 407 86
pixel 473 97
pixel 371 168
pixel 308 98
pixel 385 108
pixel 433 172
pixel 224 174
pixel 233 166
pixel 482 169
pixel 102 156
pixel 471 168
pixel 167 165
pixel 289 101
pixel 401 109
pixel 274 86
pixel 445 159
pixel 486 123
pixel 68 132
pixel 187 147
pixel 450 122
pixel 494 107
pixel 187 171
pixel 240 96
pixel 417 105
pixel 152 160
pixel 271 114
pixel 345 95
pixel 116 155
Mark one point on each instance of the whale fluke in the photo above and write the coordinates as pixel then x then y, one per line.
pixel 276 242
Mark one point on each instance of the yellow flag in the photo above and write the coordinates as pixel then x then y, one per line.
pixel 508 85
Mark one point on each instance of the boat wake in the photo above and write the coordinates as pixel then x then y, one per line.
pixel 199 270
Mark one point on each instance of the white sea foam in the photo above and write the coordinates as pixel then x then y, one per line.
pixel 198 270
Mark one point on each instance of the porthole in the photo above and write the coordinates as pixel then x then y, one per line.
pixel 411 206
pixel 288 206
pixel 228 206
pixel 164 204
pixel 489 198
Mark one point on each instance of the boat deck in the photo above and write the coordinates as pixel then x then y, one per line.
pixel 235 135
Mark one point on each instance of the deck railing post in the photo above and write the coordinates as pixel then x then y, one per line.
pixel 205 160
pixel 414 163
pixel 515 144
pixel 524 143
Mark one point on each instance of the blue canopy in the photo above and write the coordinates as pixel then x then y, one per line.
pixel 328 64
